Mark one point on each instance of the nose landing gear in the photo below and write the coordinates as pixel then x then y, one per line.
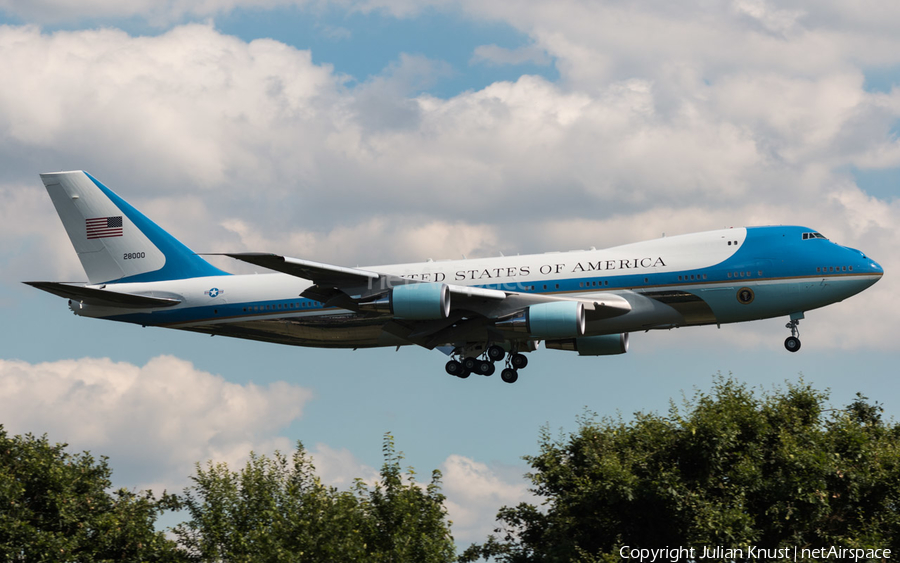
pixel 792 342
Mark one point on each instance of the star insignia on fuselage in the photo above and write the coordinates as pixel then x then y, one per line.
pixel 213 292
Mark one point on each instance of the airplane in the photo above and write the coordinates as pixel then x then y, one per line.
pixel 478 312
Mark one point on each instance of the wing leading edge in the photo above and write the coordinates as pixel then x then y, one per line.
pixel 354 286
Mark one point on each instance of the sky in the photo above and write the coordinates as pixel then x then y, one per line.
pixel 362 132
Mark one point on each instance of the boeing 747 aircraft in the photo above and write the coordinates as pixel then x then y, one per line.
pixel 478 312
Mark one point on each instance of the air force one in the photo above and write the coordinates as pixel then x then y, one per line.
pixel 478 312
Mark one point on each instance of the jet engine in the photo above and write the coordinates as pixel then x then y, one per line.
pixel 602 345
pixel 557 319
pixel 414 301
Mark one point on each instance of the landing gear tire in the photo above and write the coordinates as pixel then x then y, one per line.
pixel 792 343
pixel 470 363
pixel 518 361
pixel 489 369
pixel 454 368
pixel 464 374
pixel 496 353
pixel 509 375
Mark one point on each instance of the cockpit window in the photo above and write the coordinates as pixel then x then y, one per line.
pixel 808 236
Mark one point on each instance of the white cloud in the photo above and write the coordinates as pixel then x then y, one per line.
pixel 153 421
pixel 157 12
pixel 156 421
pixel 340 468
pixel 494 54
pixel 251 146
pixel 335 33
pixel 476 491
pixel 773 20
pixel 379 240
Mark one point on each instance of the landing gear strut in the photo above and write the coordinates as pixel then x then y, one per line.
pixel 792 342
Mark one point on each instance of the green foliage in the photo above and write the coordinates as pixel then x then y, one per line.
pixel 276 509
pixel 732 468
pixel 54 506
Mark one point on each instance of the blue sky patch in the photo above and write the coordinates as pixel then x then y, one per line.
pixel 881 79
pixel 363 45
pixel 883 183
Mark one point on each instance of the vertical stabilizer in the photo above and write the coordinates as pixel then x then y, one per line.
pixel 115 241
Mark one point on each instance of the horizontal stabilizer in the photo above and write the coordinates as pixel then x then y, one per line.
pixel 103 297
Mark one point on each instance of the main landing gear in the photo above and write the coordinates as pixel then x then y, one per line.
pixel 792 342
pixel 464 367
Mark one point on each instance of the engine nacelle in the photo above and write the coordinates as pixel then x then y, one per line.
pixel 414 301
pixel 558 319
pixel 602 345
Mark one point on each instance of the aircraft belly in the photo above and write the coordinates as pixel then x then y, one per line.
pixel 757 300
pixel 750 301
pixel 333 331
pixel 646 313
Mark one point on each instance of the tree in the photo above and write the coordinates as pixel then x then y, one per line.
pixel 732 468
pixel 276 509
pixel 55 506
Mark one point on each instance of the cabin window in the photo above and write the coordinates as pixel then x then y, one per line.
pixel 729 243
pixel 545 287
pixel 729 274
pixel 557 286
pixel 704 276
pixel 851 268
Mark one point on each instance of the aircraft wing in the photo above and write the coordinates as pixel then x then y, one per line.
pixel 316 272
pixel 340 277
pixel 343 286
pixel 103 297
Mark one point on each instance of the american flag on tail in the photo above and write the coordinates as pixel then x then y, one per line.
pixel 103 227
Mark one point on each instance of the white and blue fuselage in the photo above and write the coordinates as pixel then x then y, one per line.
pixel 586 301
pixel 676 281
